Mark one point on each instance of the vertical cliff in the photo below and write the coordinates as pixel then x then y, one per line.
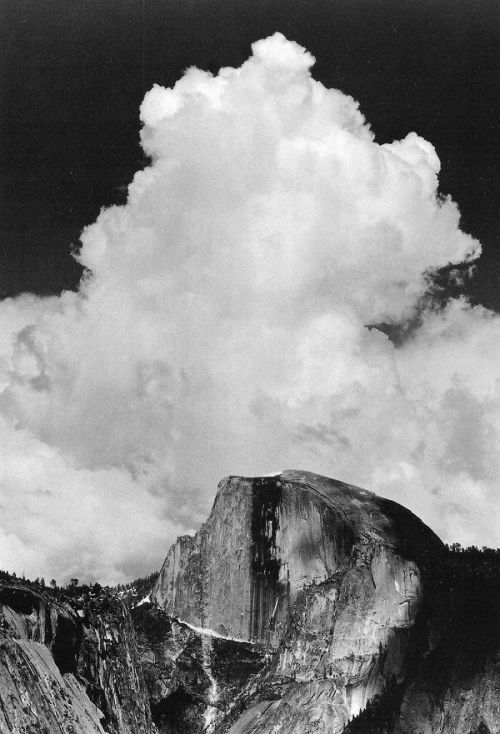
pixel 68 668
pixel 328 578
pixel 302 606
pixel 201 574
pixel 269 538
pixel 108 663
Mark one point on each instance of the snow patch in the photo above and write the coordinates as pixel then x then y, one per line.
pixel 210 632
pixel 146 600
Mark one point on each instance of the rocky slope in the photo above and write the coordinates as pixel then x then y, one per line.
pixel 302 606
pixel 193 678
pixel 68 668
pixel 343 594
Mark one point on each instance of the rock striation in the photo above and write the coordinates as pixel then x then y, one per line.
pixel 68 670
pixel 342 593
pixel 302 606
pixel 268 538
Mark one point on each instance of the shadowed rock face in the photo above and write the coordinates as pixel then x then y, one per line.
pixel 302 606
pixel 268 538
pixel 327 577
pixel 68 671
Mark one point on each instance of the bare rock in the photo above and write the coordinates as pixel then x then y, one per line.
pixel 68 670
pixel 328 578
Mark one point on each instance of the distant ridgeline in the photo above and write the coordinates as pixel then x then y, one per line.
pixel 302 606
pixel 133 590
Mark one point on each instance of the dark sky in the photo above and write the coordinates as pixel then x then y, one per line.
pixel 73 74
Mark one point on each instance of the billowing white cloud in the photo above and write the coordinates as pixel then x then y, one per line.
pixel 223 329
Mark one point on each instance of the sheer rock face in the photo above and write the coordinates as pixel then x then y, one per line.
pixel 303 606
pixel 66 670
pixel 328 577
pixel 108 661
pixel 268 538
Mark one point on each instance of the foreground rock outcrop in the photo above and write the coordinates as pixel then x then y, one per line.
pixel 302 606
pixel 68 668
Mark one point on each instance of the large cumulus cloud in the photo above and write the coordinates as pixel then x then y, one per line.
pixel 224 328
